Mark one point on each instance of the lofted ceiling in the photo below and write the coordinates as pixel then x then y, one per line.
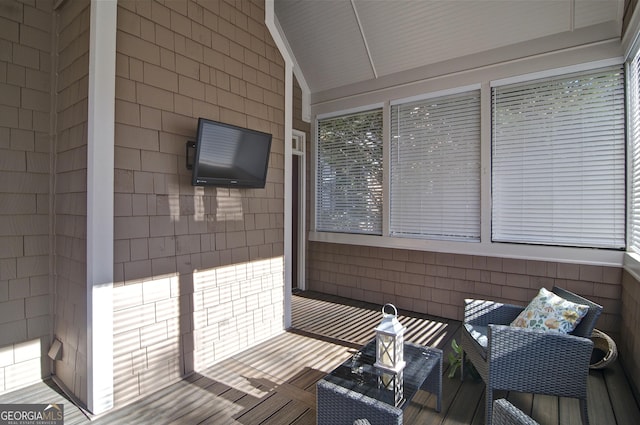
pixel 339 43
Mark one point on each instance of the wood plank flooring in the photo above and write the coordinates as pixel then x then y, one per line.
pixel 274 383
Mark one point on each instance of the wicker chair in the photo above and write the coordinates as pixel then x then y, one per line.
pixel 339 406
pixel 530 361
pixel 505 413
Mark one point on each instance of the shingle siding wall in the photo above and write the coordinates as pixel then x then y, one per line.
pixel 25 67
pixel 438 283
pixel 629 341
pixel 199 272
pixel 71 86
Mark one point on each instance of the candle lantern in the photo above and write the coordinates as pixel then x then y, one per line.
pixel 390 342
pixel 394 384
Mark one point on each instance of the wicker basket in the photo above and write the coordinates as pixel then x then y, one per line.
pixel 604 350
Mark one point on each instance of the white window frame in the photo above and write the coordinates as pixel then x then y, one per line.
pixel 545 65
pixel 338 114
pixel 298 151
pixel 632 256
pixel 544 232
pixel 421 98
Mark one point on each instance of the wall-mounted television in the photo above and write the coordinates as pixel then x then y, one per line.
pixel 228 155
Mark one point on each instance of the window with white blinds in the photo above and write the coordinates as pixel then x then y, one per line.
pixel 558 161
pixel 633 96
pixel 435 168
pixel 349 174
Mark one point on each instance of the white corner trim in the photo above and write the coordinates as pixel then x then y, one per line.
pixel 288 192
pixel 276 32
pixel 300 256
pixel 630 36
pixel 100 188
pixel 288 134
pixel 283 44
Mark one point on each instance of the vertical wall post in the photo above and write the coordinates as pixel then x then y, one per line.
pixel 278 38
pixel 100 189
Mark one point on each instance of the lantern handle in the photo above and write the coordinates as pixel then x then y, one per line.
pixel 395 311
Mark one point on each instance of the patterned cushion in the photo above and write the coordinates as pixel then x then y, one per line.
pixel 549 312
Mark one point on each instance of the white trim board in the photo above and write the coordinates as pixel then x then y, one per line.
pixel 100 203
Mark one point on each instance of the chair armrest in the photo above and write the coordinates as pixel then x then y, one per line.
pixel 505 413
pixel 536 361
pixel 483 313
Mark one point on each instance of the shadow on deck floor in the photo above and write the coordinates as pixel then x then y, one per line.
pixel 274 382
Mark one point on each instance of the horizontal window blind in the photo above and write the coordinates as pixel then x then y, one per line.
pixel 349 174
pixel 435 168
pixel 558 161
pixel 633 94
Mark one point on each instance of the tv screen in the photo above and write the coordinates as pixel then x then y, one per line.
pixel 227 155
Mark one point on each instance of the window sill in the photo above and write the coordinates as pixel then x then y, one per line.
pixel 600 257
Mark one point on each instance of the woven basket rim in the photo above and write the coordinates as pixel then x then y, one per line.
pixel 603 342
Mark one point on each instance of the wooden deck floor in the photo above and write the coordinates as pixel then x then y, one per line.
pixel 274 383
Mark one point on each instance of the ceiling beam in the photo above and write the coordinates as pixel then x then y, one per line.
pixel 364 39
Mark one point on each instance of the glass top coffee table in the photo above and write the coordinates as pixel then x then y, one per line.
pixel 358 390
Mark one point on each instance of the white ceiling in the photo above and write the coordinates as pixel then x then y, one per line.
pixel 338 43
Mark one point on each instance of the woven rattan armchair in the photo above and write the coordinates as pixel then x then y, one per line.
pixel 530 361
pixel 505 413
pixel 347 407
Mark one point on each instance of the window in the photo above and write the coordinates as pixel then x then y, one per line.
pixel 435 168
pixel 633 94
pixel 349 179
pixel 558 161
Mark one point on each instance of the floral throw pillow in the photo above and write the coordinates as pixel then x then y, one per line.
pixel 549 312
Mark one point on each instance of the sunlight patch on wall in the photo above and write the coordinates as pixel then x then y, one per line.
pixel 172 188
pixel 20 365
pixel 239 306
pixel 167 327
pixel 226 205
pixel 147 335
pixel 229 208
pixel 198 208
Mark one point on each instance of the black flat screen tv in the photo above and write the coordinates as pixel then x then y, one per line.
pixel 228 155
